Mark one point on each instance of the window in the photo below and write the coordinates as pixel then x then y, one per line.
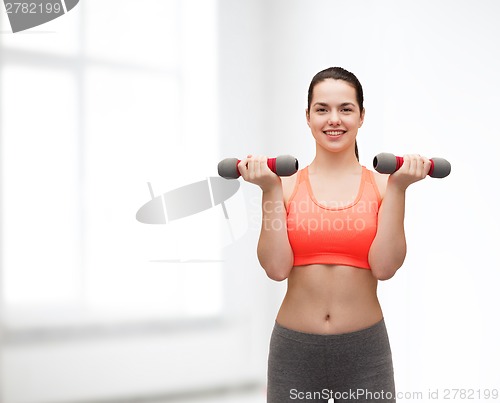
pixel 90 113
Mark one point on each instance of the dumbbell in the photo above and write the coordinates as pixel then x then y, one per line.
pixel 284 165
pixel 387 163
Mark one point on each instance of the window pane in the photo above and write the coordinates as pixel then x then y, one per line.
pixel 39 179
pixel 133 137
pixel 70 226
pixel 144 32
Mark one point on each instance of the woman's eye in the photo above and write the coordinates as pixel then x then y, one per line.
pixel 347 110
pixel 321 110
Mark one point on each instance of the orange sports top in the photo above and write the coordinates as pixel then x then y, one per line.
pixel 341 234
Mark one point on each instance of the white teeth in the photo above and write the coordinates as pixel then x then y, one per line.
pixel 334 133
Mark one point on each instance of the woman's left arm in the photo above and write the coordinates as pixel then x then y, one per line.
pixel 388 250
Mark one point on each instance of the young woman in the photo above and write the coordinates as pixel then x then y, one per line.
pixel 333 229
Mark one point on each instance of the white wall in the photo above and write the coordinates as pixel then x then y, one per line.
pixel 430 76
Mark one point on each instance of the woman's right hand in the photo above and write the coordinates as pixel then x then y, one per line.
pixel 255 170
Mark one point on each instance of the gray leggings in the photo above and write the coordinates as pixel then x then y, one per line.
pixel 348 367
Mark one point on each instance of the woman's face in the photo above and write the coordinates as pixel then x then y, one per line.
pixel 334 116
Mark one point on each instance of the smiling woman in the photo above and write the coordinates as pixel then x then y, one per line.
pixel 348 102
pixel 330 331
pixel 335 115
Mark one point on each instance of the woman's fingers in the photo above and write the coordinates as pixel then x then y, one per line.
pixel 253 167
pixel 427 166
pixel 260 166
pixel 415 167
pixel 243 167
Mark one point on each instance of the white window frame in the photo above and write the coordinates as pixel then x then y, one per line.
pixel 27 351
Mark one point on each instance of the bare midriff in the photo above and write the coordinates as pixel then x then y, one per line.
pixel 330 299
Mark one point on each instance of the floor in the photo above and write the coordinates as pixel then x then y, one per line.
pixel 249 395
pixel 229 398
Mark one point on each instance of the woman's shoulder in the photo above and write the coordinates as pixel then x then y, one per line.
pixel 380 181
pixel 288 184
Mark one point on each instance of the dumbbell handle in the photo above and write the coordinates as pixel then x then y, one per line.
pixel 387 163
pixel 283 165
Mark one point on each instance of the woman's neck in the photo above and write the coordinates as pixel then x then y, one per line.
pixel 327 161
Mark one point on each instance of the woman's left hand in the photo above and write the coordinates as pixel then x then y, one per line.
pixel 414 169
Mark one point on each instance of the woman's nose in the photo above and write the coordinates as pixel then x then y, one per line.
pixel 334 120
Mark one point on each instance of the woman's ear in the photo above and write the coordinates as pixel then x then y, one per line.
pixel 362 118
pixel 307 117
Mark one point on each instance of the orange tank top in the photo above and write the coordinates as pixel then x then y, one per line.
pixel 338 234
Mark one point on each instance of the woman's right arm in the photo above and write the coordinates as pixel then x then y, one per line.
pixel 273 250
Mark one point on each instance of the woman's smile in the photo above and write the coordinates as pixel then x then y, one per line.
pixel 334 133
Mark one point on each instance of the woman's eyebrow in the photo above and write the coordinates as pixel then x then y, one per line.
pixel 342 104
